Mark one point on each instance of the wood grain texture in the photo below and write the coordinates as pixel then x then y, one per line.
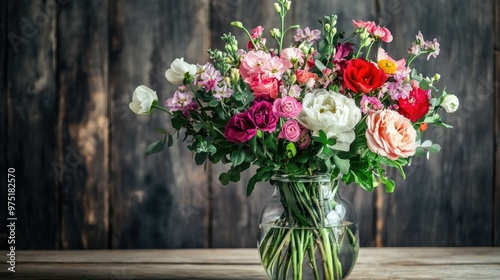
pixel 496 203
pixel 158 201
pixel 373 263
pixel 83 123
pixel 32 119
pixel 307 13
pixel 447 200
pixel 3 119
pixel 235 216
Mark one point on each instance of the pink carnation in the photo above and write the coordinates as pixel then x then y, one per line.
pixel 391 135
pixel 287 107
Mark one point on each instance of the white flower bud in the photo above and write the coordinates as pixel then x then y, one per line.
pixel 450 103
pixel 277 7
pixel 143 100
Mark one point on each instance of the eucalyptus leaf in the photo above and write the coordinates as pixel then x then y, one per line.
pixel 155 147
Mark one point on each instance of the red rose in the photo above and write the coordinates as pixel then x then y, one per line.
pixel 415 106
pixel 240 128
pixel 361 76
pixel 264 86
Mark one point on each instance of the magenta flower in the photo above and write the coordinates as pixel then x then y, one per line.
pixel 240 128
pixel 290 131
pixel 263 117
pixel 342 52
pixel 287 107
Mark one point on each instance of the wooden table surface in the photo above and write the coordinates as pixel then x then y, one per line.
pixel 373 263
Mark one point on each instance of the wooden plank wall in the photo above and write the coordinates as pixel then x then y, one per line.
pixel 68 70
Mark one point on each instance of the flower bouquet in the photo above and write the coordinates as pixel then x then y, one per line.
pixel 326 104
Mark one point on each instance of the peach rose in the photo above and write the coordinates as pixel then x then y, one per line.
pixel 390 134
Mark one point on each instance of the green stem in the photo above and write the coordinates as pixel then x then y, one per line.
pixel 163 109
pixel 328 250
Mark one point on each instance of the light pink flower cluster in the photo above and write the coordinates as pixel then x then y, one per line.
pixel 369 105
pixel 420 45
pixel 307 35
pixel 377 31
pixel 210 79
pixel 182 101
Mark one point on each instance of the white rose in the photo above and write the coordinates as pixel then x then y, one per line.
pixel 178 70
pixel 450 103
pixel 332 112
pixel 142 100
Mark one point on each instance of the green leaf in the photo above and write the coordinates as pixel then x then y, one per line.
pixel 213 103
pixel 178 122
pixel 435 148
pixel 224 178
pixel 390 185
pixel 200 158
pixel 319 65
pixel 237 157
pixel 424 84
pixel 291 151
pixel 270 143
pixel 251 183
pixel 342 164
pixel 155 147
pixel 161 130
pixel 170 140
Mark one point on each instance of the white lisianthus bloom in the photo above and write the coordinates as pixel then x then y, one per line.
pixel 143 100
pixel 178 71
pixel 332 112
pixel 450 103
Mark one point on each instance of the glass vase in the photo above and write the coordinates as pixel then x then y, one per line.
pixel 307 230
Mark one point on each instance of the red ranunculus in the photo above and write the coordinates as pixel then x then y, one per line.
pixel 362 76
pixel 415 106
pixel 240 128
pixel 263 116
pixel 262 86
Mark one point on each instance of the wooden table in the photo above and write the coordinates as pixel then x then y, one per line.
pixel 373 263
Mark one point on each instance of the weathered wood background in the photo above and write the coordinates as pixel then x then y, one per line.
pixel 68 70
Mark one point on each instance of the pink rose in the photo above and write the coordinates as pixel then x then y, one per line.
pixel 290 131
pixel 262 86
pixel 390 134
pixel 286 107
pixel 240 128
pixel 263 117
